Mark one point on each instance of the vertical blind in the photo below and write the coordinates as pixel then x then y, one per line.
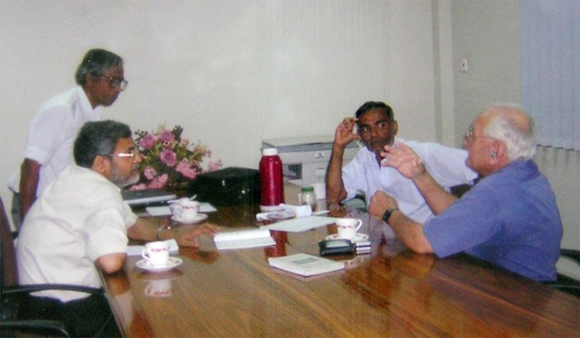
pixel 550 39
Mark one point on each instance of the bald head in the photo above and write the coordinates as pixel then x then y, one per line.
pixel 513 126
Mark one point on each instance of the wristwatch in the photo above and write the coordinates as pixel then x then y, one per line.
pixel 388 214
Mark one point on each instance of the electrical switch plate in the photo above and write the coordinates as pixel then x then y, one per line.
pixel 464 65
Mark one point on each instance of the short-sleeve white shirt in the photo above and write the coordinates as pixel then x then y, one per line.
pixel 52 133
pixel 446 165
pixel 80 217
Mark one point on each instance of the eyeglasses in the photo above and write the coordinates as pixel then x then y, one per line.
pixel 115 82
pixel 380 126
pixel 130 153
pixel 468 137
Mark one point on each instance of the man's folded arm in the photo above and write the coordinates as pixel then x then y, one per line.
pixel 410 233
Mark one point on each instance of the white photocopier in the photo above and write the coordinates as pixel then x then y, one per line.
pixel 305 159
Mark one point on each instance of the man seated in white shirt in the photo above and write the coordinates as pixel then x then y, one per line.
pixel 377 127
pixel 81 224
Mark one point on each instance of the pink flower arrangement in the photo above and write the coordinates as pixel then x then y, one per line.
pixel 169 160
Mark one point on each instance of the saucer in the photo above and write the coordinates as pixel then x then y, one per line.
pixel 173 262
pixel 196 219
pixel 357 238
pixel 278 215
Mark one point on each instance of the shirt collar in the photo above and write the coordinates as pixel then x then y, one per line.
pixel 91 172
pixel 87 109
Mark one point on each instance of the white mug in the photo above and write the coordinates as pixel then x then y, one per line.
pixel 185 210
pixel 157 253
pixel 347 227
pixel 159 288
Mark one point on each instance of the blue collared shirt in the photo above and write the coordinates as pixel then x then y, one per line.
pixel 510 218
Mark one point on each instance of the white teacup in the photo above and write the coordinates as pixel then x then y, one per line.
pixel 159 288
pixel 347 227
pixel 185 210
pixel 157 253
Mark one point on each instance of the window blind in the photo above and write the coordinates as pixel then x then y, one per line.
pixel 550 40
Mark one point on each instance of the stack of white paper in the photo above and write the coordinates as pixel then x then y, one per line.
pixel 300 224
pixel 243 239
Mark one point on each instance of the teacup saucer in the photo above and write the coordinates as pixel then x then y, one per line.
pixel 196 219
pixel 278 215
pixel 357 238
pixel 145 265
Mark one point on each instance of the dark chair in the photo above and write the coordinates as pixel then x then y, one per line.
pixel 12 295
pixel 565 283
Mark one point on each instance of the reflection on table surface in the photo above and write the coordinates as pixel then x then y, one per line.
pixel 392 292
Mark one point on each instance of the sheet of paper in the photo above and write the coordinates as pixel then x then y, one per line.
pixel 166 211
pixel 300 224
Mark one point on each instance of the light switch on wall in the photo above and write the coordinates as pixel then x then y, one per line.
pixel 464 65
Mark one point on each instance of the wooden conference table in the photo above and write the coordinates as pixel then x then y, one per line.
pixel 392 292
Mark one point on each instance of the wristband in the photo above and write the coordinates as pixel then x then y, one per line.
pixel 388 214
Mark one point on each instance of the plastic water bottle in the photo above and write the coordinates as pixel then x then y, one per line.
pixel 307 197
pixel 271 180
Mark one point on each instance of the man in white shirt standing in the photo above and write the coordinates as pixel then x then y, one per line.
pixel 377 127
pixel 53 130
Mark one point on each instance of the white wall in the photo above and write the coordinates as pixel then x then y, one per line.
pixel 231 72
pixel 486 33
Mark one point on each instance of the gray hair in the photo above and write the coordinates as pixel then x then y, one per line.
pixel 512 125
pixel 96 62
pixel 98 138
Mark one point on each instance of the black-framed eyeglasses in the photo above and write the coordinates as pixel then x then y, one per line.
pixel 116 82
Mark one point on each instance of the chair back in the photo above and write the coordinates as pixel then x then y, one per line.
pixel 7 253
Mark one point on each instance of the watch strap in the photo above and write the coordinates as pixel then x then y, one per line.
pixel 388 213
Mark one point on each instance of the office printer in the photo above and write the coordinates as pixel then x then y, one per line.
pixel 305 159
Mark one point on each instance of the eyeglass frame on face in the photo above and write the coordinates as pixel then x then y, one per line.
pixel 129 153
pixel 468 137
pixel 380 126
pixel 115 82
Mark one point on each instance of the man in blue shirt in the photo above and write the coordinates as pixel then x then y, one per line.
pixel 510 218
